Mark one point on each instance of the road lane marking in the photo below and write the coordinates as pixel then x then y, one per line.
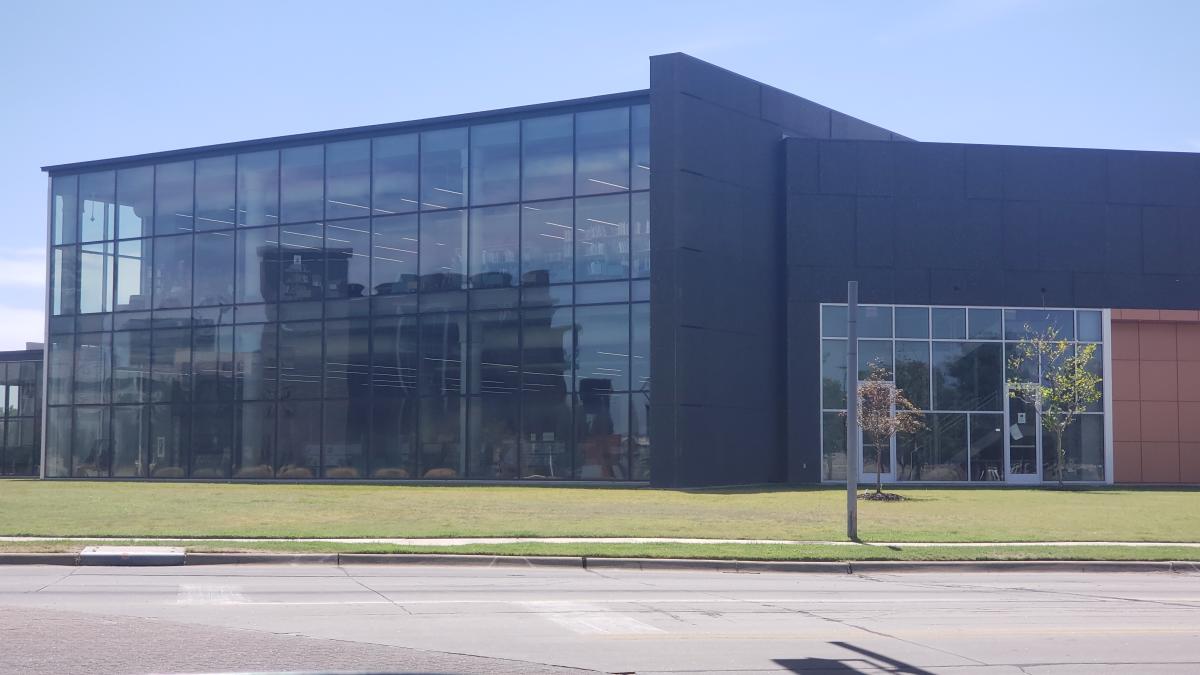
pixel 588 619
pixel 210 594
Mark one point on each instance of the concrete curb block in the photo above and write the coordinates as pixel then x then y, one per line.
pixel 884 566
pixel 456 560
pixel 660 564
pixel 39 559
pixel 261 559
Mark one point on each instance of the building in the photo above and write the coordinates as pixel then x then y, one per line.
pixel 482 297
pixel 21 412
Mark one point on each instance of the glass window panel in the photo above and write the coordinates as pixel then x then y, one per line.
pixel 444 169
pixel 640 205
pixel 131 366
pixel 1090 329
pixel 874 321
pixel 1028 371
pixel 547 157
pixel 348 179
pixel 443 421
pixel 393 436
pixel 394 163
pixel 61 362
pixel 443 342
pixel 215 257
pixel 547 350
pixel 172 272
pixel 346 436
pixel 1084 441
pixel 641 146
pixel 495 355
pixel 96 278
pixel 912 371
pixel 987 447
pixel 639 371
pixel 833 321
pixel 64 208
pixel 912 322
pixel 602 238
pixel 256 452
pixel 302 184
pixel 258 188
pixel 169 441
pixel 215 181
pixel 833 446
pixel 300 361
pixel 495 163
pixel 212 440
pixel 443 249
pixel 937 453
pixel 302 262
pixel 58 442
pixel 1018 323
pixel 949 323
pixel 30 381
pixel 546 448
pixel 833 374
pixel 495 246
pixel 299 454
pixel 984 324
pixel 256 269
pixel 547 242
pixel 91 443
pixel 601 151
pixel 93 359
pixel 134 275
pixel 878 352
pixel 394 355
pixel 97 202
pixel 347 358
pixel 256 361
pixel 347 258
pixel 22 457
pixel 968 376
pixel 639 437
pixel 173 198
pixel 494 421
pixel 602 435
pixel 394 255
pixel 212 359
pixel 135 202
pixel 602 344
pixel 171 364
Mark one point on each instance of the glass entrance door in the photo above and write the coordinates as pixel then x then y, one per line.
pixel 1023 442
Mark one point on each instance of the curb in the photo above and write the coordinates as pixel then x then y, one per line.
pixel 39 558
pixel 260 559
pixel 885 566
pixel 455 560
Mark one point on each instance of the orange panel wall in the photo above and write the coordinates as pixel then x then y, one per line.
pixel 1156 396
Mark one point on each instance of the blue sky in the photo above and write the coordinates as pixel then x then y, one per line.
pixel 89 80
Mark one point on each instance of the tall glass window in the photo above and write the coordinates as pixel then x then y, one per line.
pixel 98 209
pixel 547 157
pixel 215 260
pixel 302 184
pixel 258 188
pixel 394 242
pixel 348 179
pixel 602 238
pixel 495 246
pixel 443 249
pixel 135 202
pixel 64 209
pixel 173 193
pixel 172 271
pixel 602 151
pixel 348 258
pixel 395 171
pixel 216 179
pixel 547 243
pixel 444 169
pixel 495 163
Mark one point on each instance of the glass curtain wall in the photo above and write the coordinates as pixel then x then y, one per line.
pixel 458 302
pixel 952 363
pixel 20 418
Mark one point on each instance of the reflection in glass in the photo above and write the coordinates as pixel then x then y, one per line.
pixel 135 202
pixel 134 275
pixel 92 449
pixel 58 442
pixel 444 169
pixel 640 115
pixel 394 160
pixel 987 447
pixel 173 198
pixel 602 344
pixel 255 455
pixel 258 188
pixel 256 268
pixel 968 376
pixel 602 151
pixel 213 363
pixel 95 278
pixel 640 210
pixel 393 436
pixel 93 358
pixel 547 432
pixel 302 184
pixel 874 352
pixel 984 324
pixel 212 440
pixel 169 439
pixel 172 271
pixel 949 323
pixel 215 260
pixel 937 453
pixel 299 453
pixel 63 266
pixel 443 422
pixel 495 356
pixel 911 322
pixel 348 179
pixel 443 249
pixel 60 362
pixel 601 434
pixel 347 358
pixel 64 213
pixel 912 371
pixel 346 436
pixel 215 181
pixel 602 238
pixel 98 212
pixel 494 421
pixel 171 364
pixel 443 342
pixel 547 157
pixel 639 437
pixel 547 350
pixel 494 246
pixel 495 163
pixel 302 262
pixel 394 255
pixel 347 258
pixel 547 242
pixel 131 366
pixel 394 355
pixel 639 367
pixel 300 360
pixel 1020 323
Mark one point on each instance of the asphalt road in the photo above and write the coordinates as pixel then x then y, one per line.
pixel 509 620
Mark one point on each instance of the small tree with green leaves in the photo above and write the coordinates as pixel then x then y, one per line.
pixel 883 412
pixel 1067 387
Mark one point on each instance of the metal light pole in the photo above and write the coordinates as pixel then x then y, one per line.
pixel 852 432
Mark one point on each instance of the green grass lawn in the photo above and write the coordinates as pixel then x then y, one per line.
pixel 29 507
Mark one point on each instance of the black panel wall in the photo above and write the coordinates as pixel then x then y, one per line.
pixel 718 246
pixel 952 224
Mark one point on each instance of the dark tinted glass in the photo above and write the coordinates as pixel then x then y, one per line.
pixel 212 440
pixel 215 260
pixel 394 159
pixel 347 432
pixel 96 263
pixel 937 453
pixel 212 363
pixel 546 448
pixel 640 352
pixel 393 437
pixel 300 360
pixel 443 250
pixel 494 421
pixel 348 258
pixel 134 274
pixel 64 265
pixel 130 431
pixel 394 255
pixel 443 345
pixel 495 355
pixel 912 322
pixel 172 271
pixel 602 345
pixel 949 323
pixel 348 179
pixel 601 435
pixel 640 122
pixel 92 444
pixel 171 365
pixel 983 324
pixel 640 224
pixel 299 452
pixel 131 366
pixel 495 163
pixel 135 202
pixel 258 188
pixel 394 356
pixel 173 198
pixel 547 157
pixel 256 369
pixel 60 361
pixel 968 376
pixel 255 455
pixel 444 169
pixel 256 267
pixel 93 359
pixel 912 371
pixel 302 183
pixel 215 181
pixel 302 262
pixel 547 243
pixel 1020 323
pixel 602 238
pixel 494 246
pixel 602 151
pixel 347 359
pixel 547 350
pixel 442 431
pixel 987 447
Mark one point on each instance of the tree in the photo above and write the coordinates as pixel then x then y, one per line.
pixel 1067 386
pixel 883 411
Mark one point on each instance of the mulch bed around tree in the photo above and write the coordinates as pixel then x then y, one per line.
pixel 881 497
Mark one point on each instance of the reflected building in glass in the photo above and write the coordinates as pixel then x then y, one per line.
pixel 481 297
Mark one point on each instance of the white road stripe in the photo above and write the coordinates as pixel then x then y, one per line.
pixel 588 619
pixel 209 594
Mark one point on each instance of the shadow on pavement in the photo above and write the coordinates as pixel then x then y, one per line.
pixel 867 662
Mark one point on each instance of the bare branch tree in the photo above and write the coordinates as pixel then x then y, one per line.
pixel 883 412
pixel 1067 387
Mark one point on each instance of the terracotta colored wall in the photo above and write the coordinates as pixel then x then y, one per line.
pixel 1156 396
